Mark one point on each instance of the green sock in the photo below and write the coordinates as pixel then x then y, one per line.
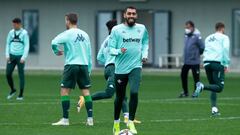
pixel 89 105
pixel 213 98
pixel 65 105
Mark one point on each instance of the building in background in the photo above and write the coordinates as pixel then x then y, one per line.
pixel 165 19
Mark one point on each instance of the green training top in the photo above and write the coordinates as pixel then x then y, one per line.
pixel 135 40
pixel 17 43
pixel 77 47
pixel 217 48
pixel 104 55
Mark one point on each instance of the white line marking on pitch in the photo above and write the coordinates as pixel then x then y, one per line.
pixel 55 103
pixel 168 101
pixel 152 121
pixel 195 119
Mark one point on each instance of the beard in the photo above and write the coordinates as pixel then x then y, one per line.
pixel 67 27
pixel 131 21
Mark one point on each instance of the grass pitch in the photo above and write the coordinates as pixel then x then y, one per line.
pixel 160 111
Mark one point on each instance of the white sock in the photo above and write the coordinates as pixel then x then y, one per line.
pixel 126 115
pixel 65 120
pixel 117 121
pixel 130 121
pixel 90 118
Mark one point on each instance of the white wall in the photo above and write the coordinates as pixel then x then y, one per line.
pixel 204 13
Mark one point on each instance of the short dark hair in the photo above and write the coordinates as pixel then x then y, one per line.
pixel 72 18
pixel 111 23
pixel 17 20
pixel 191 23
pixel 129 7
pixel 219 26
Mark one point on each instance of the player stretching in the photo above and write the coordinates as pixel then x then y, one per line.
pixel 129 43
pixel 77 52
pixel 216 60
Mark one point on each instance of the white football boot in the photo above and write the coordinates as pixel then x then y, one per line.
pixel 89 121
pixel 61 122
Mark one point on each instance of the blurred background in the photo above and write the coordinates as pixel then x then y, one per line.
pixel 164 19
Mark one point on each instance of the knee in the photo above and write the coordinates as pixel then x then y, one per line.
pixel 64 92
pixel 110 92
pixel 109 95
pixel 220 88
pixel 119 99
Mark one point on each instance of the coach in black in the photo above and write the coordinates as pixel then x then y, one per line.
pixel 193 48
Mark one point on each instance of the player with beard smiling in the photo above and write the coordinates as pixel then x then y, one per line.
pixel 129 43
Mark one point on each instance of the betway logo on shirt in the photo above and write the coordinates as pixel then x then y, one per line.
pixel 131 40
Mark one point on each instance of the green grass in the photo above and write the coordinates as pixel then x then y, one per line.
pixel 159 110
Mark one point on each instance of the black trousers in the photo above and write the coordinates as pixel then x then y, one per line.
pixel 15 61
pixel 121 81
pixel 184 76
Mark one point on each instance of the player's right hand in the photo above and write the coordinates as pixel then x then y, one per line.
pixel 123 50
pixel 60 53
pixel 144 60
pixel 8 60
pixel 226 69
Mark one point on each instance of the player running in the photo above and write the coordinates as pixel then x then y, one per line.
pixel 105 58
pixel 78 62
pixel 216 60
pixel 129 43
pixel 108 60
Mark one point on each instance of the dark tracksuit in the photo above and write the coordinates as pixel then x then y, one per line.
pixel 193 48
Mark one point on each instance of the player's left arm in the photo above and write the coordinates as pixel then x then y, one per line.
pixel 226 58
pixel 200 44
pixel 145 46
pixel 58 41
pixel 26 43
pixel 7 51
pixel 100 55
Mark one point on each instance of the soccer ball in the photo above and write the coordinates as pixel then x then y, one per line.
pixel 125 132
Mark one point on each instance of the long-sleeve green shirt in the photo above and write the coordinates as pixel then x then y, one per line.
pixel 217 48
pixel 135 40
pixel 17 43
pixel 77 47
pixel 104 55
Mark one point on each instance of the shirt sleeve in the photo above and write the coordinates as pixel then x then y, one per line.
pixel 26 46
pixel 8 41
pixel 226 58
pixel 112 42
pixel 100 55
pixel 58 41
pixel 89 57
pixel 145 44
